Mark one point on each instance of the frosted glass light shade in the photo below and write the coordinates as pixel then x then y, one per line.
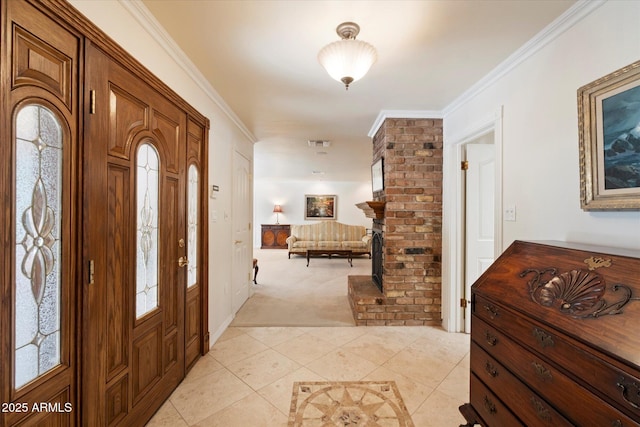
pixel 348 59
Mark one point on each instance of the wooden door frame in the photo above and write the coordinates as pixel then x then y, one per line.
pixel 204 215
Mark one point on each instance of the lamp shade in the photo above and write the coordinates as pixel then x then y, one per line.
pixel 347 60
pixel 277 209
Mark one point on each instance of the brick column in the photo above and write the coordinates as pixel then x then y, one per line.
pixel 412 226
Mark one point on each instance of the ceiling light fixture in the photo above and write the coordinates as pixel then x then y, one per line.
pixel 318 143
pixel 347 60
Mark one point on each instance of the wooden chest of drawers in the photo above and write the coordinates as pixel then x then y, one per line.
pixel 556 338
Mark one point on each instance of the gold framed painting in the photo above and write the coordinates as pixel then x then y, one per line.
pixel 319 206
pixel 609 141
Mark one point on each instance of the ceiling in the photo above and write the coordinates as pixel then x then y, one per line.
pixel 261 58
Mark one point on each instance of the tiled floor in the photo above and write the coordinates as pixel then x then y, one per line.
pixel 246 379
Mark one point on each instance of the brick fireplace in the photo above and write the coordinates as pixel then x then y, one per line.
pixel 408 215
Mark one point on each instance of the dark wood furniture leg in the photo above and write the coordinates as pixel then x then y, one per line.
pixel 469 415
pixel 255 271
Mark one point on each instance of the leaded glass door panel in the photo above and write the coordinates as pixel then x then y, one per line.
pixel 38 150
pixel 195 317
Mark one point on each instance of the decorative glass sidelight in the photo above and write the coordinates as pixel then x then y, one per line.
pixel 192 227
pixel 147 186
pixel 38 214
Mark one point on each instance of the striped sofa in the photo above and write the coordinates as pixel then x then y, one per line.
pixel 329 234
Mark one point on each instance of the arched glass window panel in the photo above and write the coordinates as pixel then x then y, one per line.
pixel 192 227
pixel 147 202
pixel 38 222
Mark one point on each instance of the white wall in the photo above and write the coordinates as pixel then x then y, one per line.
pixel 540 166
pixel 290 195
pixel 225 137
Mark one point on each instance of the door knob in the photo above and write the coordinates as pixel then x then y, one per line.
pixel 237 241
pixel 182 261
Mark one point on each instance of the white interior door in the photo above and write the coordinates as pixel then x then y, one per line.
pixel 479 216
pixel 242 239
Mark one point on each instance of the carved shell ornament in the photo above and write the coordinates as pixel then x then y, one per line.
pixel 576 293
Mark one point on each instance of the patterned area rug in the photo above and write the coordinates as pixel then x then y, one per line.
pixel 350 403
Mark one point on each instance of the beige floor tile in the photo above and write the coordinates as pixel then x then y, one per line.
pixel 342 365
pixel 236 349
pixel 252 411
pixel 466 361
pixel 413 393
pixel 263 368
pixel 167 416
pixel 273 336
pixel 305 348
pixel 456 384
pixel 230 333
pixel 400 335
pixel 338 335
pixel 450 346
pixel 198 399
pixel 204 366
pixel 279 392
pixel 377 348
pixel 437 411
pixel 425 368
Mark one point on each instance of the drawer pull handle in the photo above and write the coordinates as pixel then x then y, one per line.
pixel 543 338
pixel 491 339
pixel 492 310
pixel 632 397
pixel 541 409
pixel 489 405
pixel 491 369
pixel 616 423
pixel 543 373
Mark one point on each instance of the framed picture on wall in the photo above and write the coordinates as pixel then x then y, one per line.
pixel 377 180
pixel 320 206
pixel 609 141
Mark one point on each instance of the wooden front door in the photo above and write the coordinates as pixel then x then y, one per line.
pixel 134 245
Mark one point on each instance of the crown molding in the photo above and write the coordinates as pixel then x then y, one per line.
pixel 402 114
pixel 140 13
pixel 564 22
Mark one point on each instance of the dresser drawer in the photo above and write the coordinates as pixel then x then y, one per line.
pixel 616 385
pixel 489 407
pixel 580 405
pixel 531 408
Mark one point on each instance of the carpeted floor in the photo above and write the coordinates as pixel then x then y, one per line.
pixel 289 293
pixel 348 403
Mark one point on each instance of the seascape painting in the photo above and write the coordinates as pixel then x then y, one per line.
pixel 609 141
pixel 621 139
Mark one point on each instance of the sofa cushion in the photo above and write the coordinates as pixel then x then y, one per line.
pixel 304 244
pixel 328 244
pixel 359 244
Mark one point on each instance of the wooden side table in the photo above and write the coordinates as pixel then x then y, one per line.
pixel 274 236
